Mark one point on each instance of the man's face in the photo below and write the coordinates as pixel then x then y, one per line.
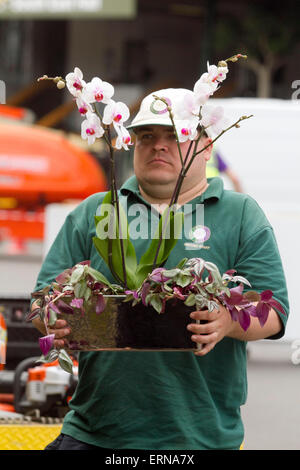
pixel 157 160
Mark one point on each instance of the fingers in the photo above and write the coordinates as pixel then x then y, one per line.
pixel 205 331
pixel 61 330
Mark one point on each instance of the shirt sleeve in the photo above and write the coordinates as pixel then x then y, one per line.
pixel 69 247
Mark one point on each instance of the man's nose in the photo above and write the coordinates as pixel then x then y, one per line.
pixel 160 144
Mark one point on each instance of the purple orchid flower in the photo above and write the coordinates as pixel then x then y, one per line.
pixel 46 343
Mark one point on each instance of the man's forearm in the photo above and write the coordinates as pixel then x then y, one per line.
pixel 255 331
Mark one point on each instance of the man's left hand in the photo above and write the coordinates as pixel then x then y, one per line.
pixel 218 323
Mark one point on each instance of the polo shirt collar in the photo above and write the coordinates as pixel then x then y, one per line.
pixel 214 191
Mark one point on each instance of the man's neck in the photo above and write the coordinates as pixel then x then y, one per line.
pixel 184 197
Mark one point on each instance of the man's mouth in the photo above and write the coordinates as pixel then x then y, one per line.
pixel 159 161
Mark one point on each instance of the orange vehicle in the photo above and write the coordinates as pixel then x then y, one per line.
pixel 39 166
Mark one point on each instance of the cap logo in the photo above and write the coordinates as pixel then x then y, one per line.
pixel 159 107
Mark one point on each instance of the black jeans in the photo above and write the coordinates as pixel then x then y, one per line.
pixel 64 442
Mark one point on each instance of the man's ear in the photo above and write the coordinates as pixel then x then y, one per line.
pixel 208 151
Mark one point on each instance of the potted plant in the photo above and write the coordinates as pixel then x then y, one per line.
pixel 146 288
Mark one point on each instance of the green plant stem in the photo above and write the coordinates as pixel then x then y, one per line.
pixel 115 203
pixel 158 98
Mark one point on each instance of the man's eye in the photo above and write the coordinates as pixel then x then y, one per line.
pixel 146 136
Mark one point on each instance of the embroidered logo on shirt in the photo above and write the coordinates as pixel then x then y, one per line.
pixel 198 234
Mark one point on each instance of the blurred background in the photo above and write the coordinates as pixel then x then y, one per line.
pixel 140 46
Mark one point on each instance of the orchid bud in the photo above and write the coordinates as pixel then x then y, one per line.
pixel 60 84
pixel 222 63
pixel 44 77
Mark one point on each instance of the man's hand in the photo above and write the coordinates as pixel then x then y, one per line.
pixel 218 324
pixel 60 329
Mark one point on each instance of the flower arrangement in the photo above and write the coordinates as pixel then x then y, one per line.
pixel 196 282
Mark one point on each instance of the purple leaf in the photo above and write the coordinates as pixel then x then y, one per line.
pixel 157 275
pixel 234 313
pixel 262 312
pixel 244 319
pixel 63 277
pixel 230 272
pixel 144 292
pixel 46 343
pixel 78 303
pixel 266 295
pixel 63 307
pixel 100 305
pixel 178 293
pixel 54 307
pixel 236 297
pixel 251 309
pixel 134 293
pixel 276 305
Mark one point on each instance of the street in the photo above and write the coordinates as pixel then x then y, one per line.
pixel 272 412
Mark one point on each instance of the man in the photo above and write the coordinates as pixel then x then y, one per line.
pixel 171 400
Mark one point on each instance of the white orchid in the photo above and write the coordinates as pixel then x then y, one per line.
pixel 210 78
pixel 115 113
pixel 98 91
pixel 187 129
pixel 75 82
pixel 123 139
pixel 83 106
pixel 222 72
pixel 202 92
pixel 213 117
pixel 91 128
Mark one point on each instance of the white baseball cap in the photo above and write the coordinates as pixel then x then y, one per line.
pixel 155 112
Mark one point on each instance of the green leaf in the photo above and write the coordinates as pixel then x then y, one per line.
pixel 190 300
pixel 109 231
pixel 147 260
pixel 52 317
pixel 77 274
pixel 181 263
pixel 171 272
pixel 156 302
pixel 183 280
pixel 65 361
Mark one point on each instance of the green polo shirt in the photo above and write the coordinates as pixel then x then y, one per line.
pixel 170 400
